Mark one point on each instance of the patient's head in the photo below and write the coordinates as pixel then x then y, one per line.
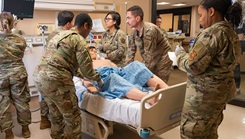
pixel 92 52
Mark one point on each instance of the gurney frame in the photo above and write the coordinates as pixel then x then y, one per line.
pixel 159 118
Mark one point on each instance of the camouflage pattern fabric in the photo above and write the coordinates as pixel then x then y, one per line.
pixel 114 45
pixel 164 32
pixel 57 31
pixel 65 54
pixel 154 47
pixel 44 110
pixel 63 106
pixel 210 83
pixel 13 81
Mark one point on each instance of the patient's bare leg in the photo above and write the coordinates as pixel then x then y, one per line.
pixel 152 82
pixel 155 99
pixel 136 94
pixel 157 87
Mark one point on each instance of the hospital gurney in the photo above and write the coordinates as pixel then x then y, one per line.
pixel 98 113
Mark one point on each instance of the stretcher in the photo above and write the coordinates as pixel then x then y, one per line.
pixel 98 113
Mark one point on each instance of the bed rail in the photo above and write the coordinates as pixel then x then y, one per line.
pixel 163 115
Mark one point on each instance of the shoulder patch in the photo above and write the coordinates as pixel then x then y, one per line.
pixel 207 35
pixel 123 40
pixel 192 55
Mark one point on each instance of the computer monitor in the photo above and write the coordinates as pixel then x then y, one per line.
pixel 20 8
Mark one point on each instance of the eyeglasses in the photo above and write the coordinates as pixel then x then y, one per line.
pixel 107 19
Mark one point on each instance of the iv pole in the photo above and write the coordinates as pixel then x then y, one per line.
pixel 126 25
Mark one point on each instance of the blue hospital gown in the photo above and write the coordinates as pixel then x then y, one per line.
pixel 119 81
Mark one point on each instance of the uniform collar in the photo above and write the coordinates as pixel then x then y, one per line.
pixel 111 34
pixel 60 28
pixel 75 30
pixel 141 32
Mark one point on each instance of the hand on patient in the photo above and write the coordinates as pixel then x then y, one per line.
pixel 92 89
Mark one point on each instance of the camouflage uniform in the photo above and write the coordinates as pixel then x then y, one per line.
pixel 210 83
pixel 43 105
pixel 114 45
pixel 66 53
pixel 51 35
pixel 13 81
pixel 154 48
pixel 164 32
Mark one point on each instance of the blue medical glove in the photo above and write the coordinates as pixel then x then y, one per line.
pixel 91 36
pixel 178 49
pixel 100 84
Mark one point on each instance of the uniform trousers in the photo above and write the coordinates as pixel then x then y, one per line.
pixel 63 107
pixel 14 89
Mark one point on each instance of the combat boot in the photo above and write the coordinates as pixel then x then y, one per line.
pixel 9 134
pixel 45 123
pixel 25 131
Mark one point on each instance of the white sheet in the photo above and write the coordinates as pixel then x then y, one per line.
pixel 173 57
pixel 124 111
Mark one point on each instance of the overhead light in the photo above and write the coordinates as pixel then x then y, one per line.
pixel 162 3
pixel 179 4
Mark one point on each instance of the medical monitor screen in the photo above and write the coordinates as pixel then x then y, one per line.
pixel 20 8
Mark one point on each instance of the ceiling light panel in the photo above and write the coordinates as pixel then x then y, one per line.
pixel 162 3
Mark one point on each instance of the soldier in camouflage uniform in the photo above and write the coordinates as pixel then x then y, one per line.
pixel 13 79
pixel 66 54
pixel 151 41
pixel 65 19
pixel 209 66
pixel 158 23
pixel 114 39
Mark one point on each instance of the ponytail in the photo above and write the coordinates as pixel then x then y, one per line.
pixel 230 12
pixel 7 22
pixel 234 14
pixel 5 25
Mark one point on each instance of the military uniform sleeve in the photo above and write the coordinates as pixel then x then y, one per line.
pixel 78 73
pixel 50 36
pixel 102 43
pixel 24 44
pixel 204 49
pixel 19 41
pixel 150 43
pixel 85 62
pixel 132 48
pixel 182 61
pixel 164 32
pixel 119 53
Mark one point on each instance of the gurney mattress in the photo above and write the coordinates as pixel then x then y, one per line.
pixel 124 111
